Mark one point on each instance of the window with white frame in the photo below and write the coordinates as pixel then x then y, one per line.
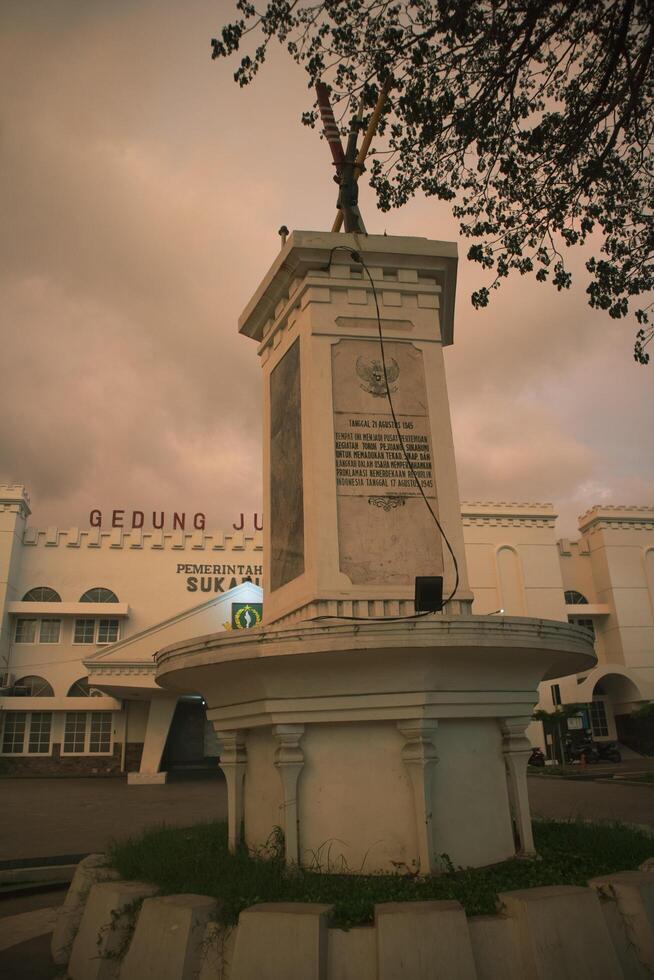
pixel 36 725
pixel 100 736
pixel 556 694
pixel 32 686
pixel 47 630
pixel 84 631
pixel 99 595
pixel 26 630
pixel 87 732
pixel 13 733
pixel 107 630
pixel 96 631
pixel 40 728
pixel 598 719
pixel 42 593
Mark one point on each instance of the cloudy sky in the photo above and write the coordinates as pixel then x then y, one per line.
pixel 142 196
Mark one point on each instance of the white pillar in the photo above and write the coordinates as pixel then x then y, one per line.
pixel 233 760
pixel 419 757
pixel 517 749
pixel 289 760
pixel 160 716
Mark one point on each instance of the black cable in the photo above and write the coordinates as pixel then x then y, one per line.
pixel 359 259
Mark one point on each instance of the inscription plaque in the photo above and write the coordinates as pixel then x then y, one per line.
pixel 386 534
pixel 286 485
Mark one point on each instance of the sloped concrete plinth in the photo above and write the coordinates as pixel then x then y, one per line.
pixel 106 926
pixel 167 941
pixel 92 870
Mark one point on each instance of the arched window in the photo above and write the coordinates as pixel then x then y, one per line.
pixel 81 689
pixel 573 598
pixel 42 593
pixel 99 595
pixel 32 687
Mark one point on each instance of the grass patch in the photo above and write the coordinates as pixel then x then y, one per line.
pixel 196 859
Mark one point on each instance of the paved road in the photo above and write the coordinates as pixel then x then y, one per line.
pixel 67 816
pixel 562 799
pixel 42 817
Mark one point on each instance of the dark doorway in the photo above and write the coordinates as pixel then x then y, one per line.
pixel 186 744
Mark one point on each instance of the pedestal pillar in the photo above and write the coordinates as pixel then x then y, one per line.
pixel 517 749
pixel 289 760
pixel 419 757
pixel 233 760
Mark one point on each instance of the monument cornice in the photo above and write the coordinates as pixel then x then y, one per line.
pixel 306 251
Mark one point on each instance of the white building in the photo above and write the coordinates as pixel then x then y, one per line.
pixel 83 612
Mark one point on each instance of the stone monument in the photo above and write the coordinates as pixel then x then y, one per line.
pixel 376 740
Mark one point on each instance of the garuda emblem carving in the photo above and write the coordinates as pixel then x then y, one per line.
pixel 372 376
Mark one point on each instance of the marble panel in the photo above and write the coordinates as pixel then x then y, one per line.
pixel 286 485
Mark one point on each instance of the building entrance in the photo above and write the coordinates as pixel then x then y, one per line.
pixel 187 744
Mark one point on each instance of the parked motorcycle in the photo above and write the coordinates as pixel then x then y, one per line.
pixel 582 752
pixel 536 758
pixel 608 752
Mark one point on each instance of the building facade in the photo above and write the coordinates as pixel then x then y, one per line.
pixel 84 611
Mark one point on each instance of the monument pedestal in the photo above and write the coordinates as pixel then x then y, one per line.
pixel 375 745
pixel 346 529
pixel 380 746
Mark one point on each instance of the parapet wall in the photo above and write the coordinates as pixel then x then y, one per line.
pixel 117 538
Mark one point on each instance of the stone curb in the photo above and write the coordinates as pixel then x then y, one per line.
pixel 601 932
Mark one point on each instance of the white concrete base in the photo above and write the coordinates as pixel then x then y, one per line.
pixel 146 778
pixel 282 940
pixel 562 933
pixel 424 941
pixel 106 926
pixel 380 746
pixel 167 940
pixel 633 894
pixel 541 934
pixel 91 871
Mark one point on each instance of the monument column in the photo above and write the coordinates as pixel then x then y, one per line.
pixel 419 757
pixel 517 749
pixel 347 530
pixel 289 760
pixel 233 762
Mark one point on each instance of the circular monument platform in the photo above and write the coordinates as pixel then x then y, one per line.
pixel 379 746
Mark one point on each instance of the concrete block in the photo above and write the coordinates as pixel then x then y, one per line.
pixel 423 941
pixel 281 941
pixel 217 952
pixel 495 947
pixel 633 892
pixel 91 871
pixel 562 933
pixel 632 968
pixel 105 929
pixel 168 940
pixel 146 778
pixel 352 955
